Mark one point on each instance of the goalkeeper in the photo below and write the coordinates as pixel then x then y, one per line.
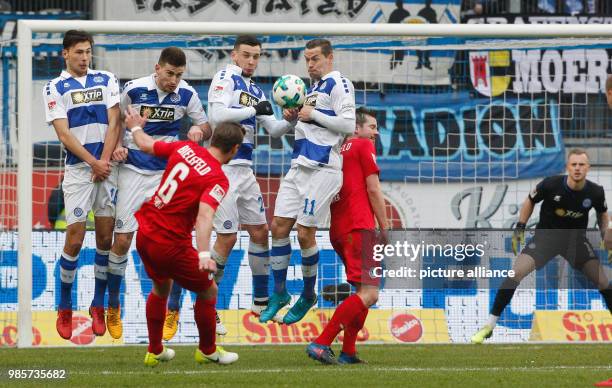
pixel 561 230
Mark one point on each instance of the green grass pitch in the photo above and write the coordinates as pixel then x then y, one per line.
pixel 522 365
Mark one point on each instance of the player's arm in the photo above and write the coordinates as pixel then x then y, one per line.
pixel 56 115
pixel 535 196
pixel 343 103
pixel 121 153
pixel 367 159
pixel 114 131
pixel 603 221
pixel 377 200
pixel 220 101
pixel 100 168
pixel 210 199
pixel 277 128
pixel 135 124
pixel 200 130
pixel 526 211
pixel 203 230
pixel 114 119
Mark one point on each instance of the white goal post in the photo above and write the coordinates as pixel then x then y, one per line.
pixel 25 88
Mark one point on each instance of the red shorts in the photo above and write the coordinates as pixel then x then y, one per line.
pixel 356 249
pixel 178 262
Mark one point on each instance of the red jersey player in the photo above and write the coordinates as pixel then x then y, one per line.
pixel 353 236
pixel 191 188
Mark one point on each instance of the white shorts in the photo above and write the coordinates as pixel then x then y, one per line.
pixel 243 203
pixel 134 190
pixel 305 194
pixel 81 195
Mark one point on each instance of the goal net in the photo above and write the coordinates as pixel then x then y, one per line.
pixel 467 127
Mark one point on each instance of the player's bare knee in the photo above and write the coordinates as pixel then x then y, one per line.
pixel 306 236
pixel 73 248
pixel 369 295
pixel 259 234
pixel 122 243
pixel 225 242
pixel 281 227
pixel 104 242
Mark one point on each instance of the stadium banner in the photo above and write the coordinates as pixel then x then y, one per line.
pixel 397 66
pixel 470 205
pixel 422 205
pixel 540 70
pixel 571 326
pixel 290 11
pixel 431 137
pixel 456 306
pixel 388 326
pixel 539 19
pixel 450 137
pixel 44 332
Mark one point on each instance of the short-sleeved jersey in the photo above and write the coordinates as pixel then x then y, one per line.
pixel 351 208
pixel 165 114
pixel 564 208
pixel 192 176
pixel 316 146
pixel 233 90
pixel 84 102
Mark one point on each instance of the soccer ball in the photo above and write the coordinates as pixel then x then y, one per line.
pixel 289 91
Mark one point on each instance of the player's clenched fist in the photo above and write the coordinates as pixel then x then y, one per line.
pixel 304 114
pixel 206 262
pixel 120 154
pixel 290 115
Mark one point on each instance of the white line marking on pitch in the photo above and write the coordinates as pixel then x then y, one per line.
pixel 352 370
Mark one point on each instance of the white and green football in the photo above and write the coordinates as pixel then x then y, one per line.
pixel 289 91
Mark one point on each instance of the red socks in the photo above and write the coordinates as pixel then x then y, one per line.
pixel 156 314
pixel 204 311
pixel 345 314
pixel 351 332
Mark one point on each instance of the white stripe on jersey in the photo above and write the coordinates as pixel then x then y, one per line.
pixel 316 146
pixel 165 113
pixel 84 103
pixel 231 89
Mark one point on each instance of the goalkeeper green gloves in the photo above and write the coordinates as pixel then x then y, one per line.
pixel 518 237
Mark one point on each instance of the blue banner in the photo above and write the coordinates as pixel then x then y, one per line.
pixel 447 137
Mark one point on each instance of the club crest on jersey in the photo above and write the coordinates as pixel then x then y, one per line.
pixel 247 99
pixel 586 203
pixel 217 193
pixel 175 98
pixel 311 100
pixel 97 79
pixel 557 198
pixel 157 112
pixel 86 96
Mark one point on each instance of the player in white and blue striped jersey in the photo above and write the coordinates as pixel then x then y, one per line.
pixel 165 99
pixel 315 177
pixel 233 96
pixel 83 107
